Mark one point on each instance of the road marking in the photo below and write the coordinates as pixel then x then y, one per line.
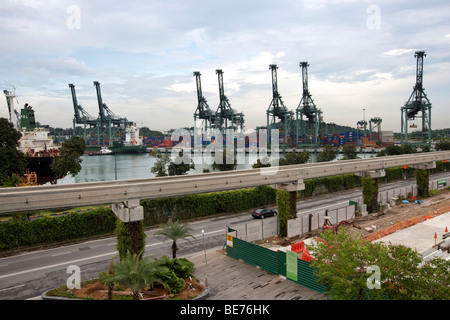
pixel 22 285
pixel 57 265
pixel 61 254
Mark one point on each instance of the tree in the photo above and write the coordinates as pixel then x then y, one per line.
pixel 162 160
pixel 328 154
pixel 175 231
pixel 181 168
pixel 69 160
pixel 259 164
pixel 349 152
pixel 351 268
pixel 442 145
pixel 229 161
pixel 134 272
pixel 12 161
pixel 294 158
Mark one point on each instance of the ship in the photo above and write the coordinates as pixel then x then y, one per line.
pixel 35 143
pixel 131 144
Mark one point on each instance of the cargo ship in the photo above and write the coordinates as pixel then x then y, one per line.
pixel 37 146
pixel 130 145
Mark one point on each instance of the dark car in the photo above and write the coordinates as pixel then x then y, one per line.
pixel 262 213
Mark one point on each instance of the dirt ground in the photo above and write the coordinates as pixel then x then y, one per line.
pixel 401 212
pixel 96 290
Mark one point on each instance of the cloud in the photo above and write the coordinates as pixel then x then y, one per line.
pixel 396 52
pixel 144 53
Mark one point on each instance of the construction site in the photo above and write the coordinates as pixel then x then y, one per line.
pixel 299 129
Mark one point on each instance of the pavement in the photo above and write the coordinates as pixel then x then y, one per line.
pixel 231 279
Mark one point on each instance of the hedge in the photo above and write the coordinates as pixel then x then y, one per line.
pixel 202 205
pixel 73 226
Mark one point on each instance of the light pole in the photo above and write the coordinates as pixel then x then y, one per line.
pixel 204 248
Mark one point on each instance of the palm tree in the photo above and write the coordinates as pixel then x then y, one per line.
pixel 175 231
pixel 134 272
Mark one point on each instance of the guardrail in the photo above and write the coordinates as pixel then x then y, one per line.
pixel 93 193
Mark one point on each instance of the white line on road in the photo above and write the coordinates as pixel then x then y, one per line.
pixel 22 285
pixel 58 264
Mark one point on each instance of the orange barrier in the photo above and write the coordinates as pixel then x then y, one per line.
pixel 405 224
pixel 297 247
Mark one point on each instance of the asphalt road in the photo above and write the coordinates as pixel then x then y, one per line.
pixel 28 275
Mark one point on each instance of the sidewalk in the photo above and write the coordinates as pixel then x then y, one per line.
pixel 231 279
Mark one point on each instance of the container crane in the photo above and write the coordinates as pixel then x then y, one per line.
pixel 203 112
pixel 277 109
pixel 307 108
pixel 417 103
pixel 81 116
pixel 377 122
pixel 226 117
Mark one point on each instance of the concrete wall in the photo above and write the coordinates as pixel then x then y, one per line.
pixel 257 229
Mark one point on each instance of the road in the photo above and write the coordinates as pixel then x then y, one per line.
pixel 27 275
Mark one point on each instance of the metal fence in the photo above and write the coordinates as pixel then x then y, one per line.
pixel 273 261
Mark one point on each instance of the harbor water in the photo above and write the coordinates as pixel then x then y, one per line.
pixel 137 166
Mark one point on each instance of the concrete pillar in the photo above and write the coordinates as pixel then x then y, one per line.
pixel 423 184
pixel 375 175
pixel 129 211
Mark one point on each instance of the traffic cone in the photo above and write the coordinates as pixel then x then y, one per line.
pixel 446 229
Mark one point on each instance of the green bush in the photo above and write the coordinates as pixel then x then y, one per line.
pixel 283 204
pixel 202 205
pixel 73 226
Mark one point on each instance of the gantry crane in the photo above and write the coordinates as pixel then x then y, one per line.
pixel 376 121
pixel 361 125
pixel 311 125
pixel 277 110
pixel 225 116
pixel 203 112
pixel 417 103
pixel 81 116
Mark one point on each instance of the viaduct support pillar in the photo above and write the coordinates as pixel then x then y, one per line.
pixel 129 211
pixel 422 173
pixel 370 180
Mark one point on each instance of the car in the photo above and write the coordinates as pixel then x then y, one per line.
pixel 262 213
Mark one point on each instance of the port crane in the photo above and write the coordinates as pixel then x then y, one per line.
pixel 277 110
pixel 111 125
pixel 417 103
pixel 81 116
pixel 377 122
pixel 307 108
pixel 203 111
pixel 225 116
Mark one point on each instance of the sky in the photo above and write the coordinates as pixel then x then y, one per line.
pixel 143 53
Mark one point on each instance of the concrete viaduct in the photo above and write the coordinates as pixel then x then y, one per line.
pixel 124 195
